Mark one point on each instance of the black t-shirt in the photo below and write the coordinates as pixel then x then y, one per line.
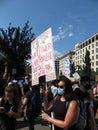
pixel 26 87
pixel 29 95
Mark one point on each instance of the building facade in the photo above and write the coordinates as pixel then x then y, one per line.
pixel 90 44
pixel 57 67
pixel 76 56
pixel 62 59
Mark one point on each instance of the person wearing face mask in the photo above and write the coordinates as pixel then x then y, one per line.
pixel 86 102
pixel 64 117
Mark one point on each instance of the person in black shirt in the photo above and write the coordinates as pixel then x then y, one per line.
pixel 64 118
pixel 30 112
pixel 86 102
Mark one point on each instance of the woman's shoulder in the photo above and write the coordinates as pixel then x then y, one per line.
pixel 73 102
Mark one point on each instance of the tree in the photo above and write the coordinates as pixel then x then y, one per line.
pixel 15 44
pixel 72 69
pixel 87 64
pixel 60 73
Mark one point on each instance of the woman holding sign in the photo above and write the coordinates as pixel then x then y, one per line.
pixel 64 107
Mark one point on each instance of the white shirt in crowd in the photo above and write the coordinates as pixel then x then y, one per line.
pixel 54 90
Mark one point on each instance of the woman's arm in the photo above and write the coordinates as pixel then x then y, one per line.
pixel 24 103
pixel 48 105
pixel 22 91
pixel 0 100
pixel 5 71
pixel 17 114
pixel 70 117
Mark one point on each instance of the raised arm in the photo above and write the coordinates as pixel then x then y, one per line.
pixel 5 71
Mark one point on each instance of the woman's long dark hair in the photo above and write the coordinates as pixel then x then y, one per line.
pixel 69 94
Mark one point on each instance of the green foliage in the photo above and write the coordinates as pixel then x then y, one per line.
pixel 86 68
pixel 87 64
pixel 16 44
pixel 60 73
pixel 80 70
pixel 72 69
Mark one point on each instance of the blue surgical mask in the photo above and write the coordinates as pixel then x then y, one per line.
pixel 61 91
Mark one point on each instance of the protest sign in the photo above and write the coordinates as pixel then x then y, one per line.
pixel 67 68
pixel 76 76
pixel 43 57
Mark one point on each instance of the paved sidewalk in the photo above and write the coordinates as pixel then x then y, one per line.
pixel 39 124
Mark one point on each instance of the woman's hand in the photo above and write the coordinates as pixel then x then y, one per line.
pixel 11 113
pixel 45 116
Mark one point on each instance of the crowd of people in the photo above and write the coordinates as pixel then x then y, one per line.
pixel 65 104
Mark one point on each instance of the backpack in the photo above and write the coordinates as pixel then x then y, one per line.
pixel 84 102
pixel 36 104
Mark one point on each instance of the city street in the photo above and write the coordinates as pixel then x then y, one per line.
pixel 39 125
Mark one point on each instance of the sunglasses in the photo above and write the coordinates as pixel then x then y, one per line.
pixel 60 86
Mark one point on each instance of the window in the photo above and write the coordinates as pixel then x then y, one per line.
pixel 92 39
pixel 96 49
pixel 92 45
pixel 92 63
pixel 86 43
pixel 92 51
pixel 89 41
pixel 83 44
pixel 96 43
pixel 97 37
pixel 89 47
pixel 96 69
pixel 96 62
pixel 92 57
pixel 96 56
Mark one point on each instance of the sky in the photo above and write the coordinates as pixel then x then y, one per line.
pixel 72 21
